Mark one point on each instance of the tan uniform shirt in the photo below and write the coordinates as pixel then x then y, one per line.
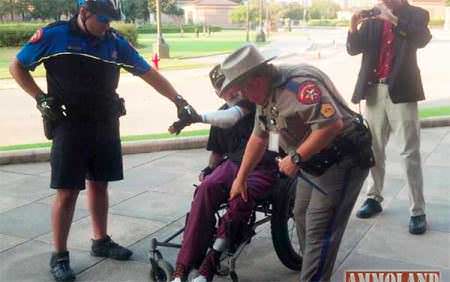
pixel 299 103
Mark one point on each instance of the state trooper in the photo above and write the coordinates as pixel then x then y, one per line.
pixel 81 110
pixel 300 110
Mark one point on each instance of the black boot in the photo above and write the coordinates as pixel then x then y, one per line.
pixel 60 267
pixel 107 248
pixel 370 208
pixel 417 224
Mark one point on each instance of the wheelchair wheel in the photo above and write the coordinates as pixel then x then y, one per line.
pixel 283 228
pixel 160 271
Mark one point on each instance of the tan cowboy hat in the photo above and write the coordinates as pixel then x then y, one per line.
pixel 241 62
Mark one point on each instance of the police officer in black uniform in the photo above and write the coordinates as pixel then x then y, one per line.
pixel 81 111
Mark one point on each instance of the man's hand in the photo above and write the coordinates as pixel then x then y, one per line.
pixel 47 105
pixel 356 20
pixel 239 188
pixel 287 167
pixel 190 117
pixel 386 14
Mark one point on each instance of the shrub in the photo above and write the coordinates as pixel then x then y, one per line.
pixel 128 31
pixel 17 34
pixel 14 34
pixel 436 22
pixel 328 22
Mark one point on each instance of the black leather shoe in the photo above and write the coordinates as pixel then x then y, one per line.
pixel 370 208
pixel 417 224
pixel 60 267
pixel 107 248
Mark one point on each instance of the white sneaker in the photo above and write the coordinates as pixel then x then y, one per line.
pixel 200 278
pixel 178 279
pixel 193 274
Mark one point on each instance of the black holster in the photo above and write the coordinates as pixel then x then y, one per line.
pixel 355 143
pixel 49 127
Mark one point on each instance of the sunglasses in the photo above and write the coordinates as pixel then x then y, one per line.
pixel 103 19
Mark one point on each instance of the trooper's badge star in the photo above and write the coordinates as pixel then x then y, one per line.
pixel 36 36
pixel 327 110
pixel 309 93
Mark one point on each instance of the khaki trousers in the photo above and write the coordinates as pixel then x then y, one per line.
pixel 401 120
pixel 321 219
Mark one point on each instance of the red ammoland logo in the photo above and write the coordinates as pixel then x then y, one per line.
pixel 392 276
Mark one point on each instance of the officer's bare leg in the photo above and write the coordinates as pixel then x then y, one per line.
pixel 97 201
pixel 62 215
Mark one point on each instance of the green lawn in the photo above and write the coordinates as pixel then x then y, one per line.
pixel 181 47
pixel 129 138
pixel 189 45
pixel 434 112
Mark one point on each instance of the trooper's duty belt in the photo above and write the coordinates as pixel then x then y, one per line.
pixel 356 144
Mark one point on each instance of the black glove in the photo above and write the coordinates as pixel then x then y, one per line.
pixel 177 126
pixel 180 124
pixel 184 110
pixel 187 115
pixel 48 107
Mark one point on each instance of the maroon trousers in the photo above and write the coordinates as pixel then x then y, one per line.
pixel 212 192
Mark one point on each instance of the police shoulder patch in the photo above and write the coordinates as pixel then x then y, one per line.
pixel 37 36
pixel 309 93
pixel 327 110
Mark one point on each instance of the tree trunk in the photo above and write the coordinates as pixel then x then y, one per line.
pixel 11 5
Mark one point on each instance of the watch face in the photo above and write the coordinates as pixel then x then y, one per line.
pixel 296 159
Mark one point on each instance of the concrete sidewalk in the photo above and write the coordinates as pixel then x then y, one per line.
pixel 156 193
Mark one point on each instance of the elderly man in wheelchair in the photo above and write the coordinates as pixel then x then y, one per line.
pixel 205 239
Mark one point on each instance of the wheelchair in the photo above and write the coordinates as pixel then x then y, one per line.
pixel 277 209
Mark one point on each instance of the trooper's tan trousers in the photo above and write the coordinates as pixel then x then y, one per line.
pixel 321 219
pixel 401 120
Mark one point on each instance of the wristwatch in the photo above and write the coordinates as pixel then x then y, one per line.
pixel 297 159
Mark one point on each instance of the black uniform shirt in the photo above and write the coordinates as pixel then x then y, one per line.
pixel 82 70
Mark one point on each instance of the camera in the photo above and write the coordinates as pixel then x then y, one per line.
pixel 370 13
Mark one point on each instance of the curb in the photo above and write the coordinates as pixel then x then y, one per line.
pixel 137 147
pixel 140 147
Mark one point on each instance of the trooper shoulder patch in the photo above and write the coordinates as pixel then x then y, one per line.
pixel 37 36
pixel 309 93
pixel 327 110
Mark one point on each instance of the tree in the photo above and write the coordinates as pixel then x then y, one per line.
pixel 293 11
pixel 239 14
pixel 176 14
pixel 135 9
pixel 323 9
pixel 49 9
pixel 168 7
pixel 4 8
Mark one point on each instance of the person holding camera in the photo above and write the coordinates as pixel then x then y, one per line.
pixel 388 37
pixel 81 110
